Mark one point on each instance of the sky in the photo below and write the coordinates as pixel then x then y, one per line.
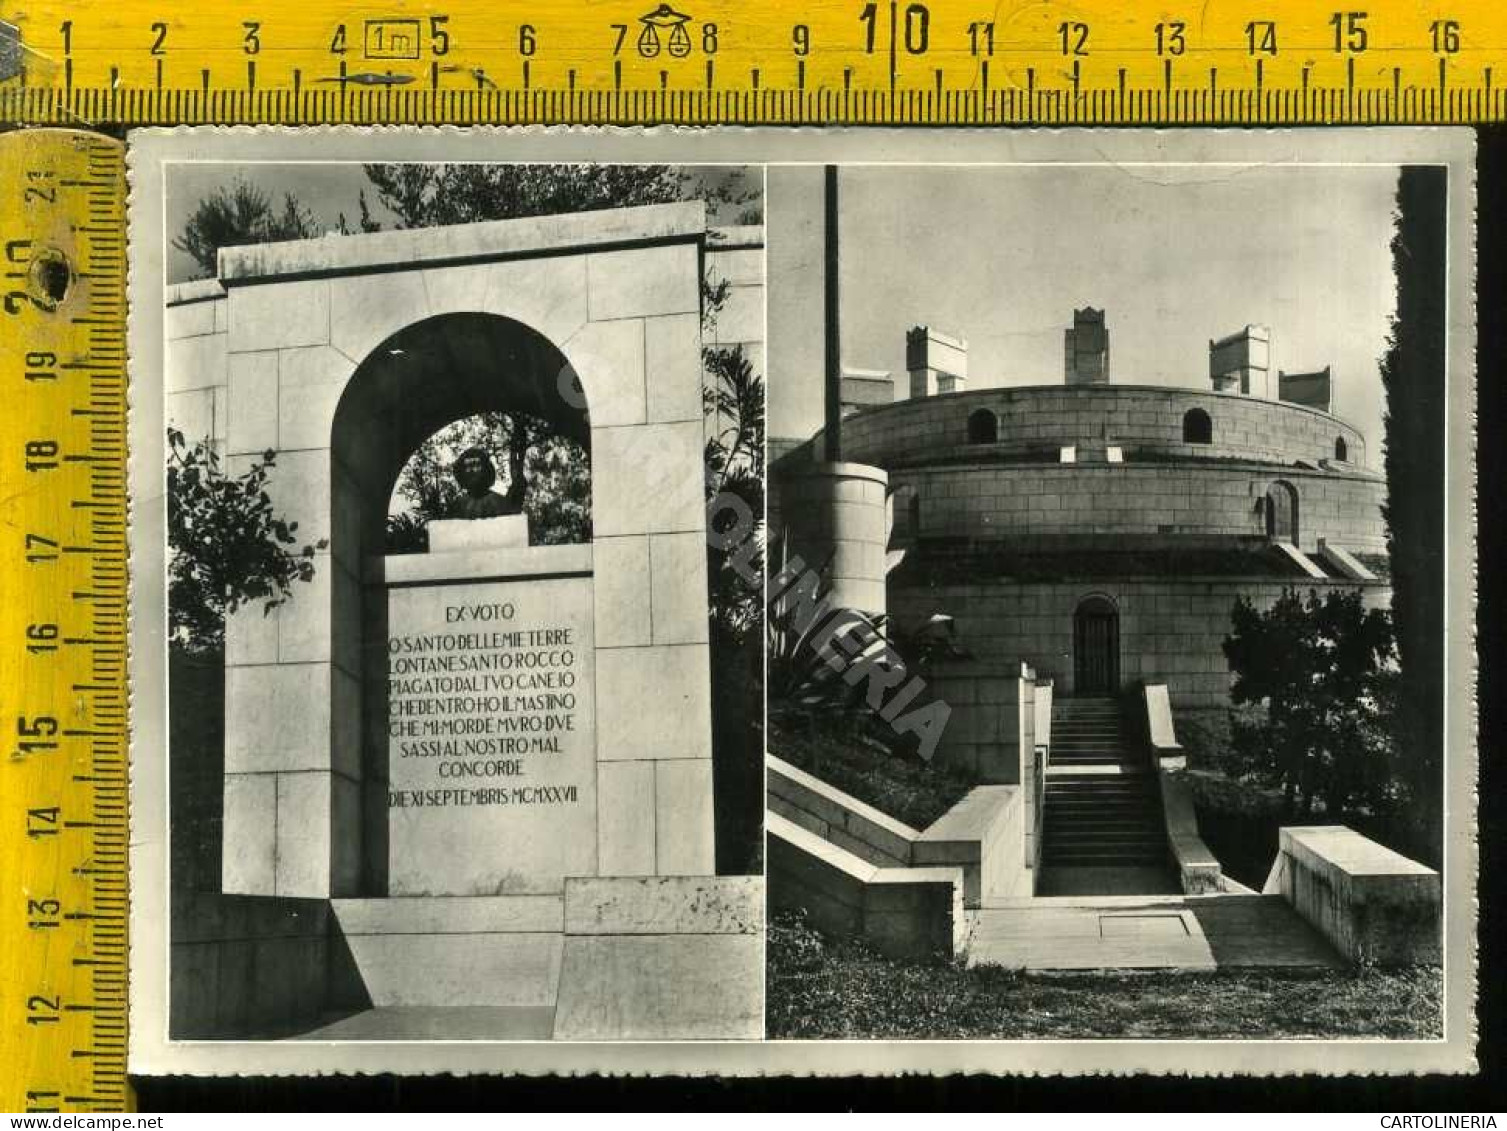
pixel 328 189
pixel 1176 255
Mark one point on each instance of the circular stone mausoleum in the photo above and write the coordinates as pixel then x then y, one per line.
pixel 1101 533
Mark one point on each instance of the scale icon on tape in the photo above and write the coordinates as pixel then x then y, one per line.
pixel 667 20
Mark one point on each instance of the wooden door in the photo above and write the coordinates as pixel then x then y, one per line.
pixel 1096 648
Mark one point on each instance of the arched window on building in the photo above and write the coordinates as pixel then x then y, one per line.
pixel 1282 512
pixel 1197 427
pixel 983 427
pixel 1341 451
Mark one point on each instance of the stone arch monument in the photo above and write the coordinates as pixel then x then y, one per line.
pixel 475 835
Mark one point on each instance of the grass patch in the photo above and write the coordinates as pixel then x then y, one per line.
pixel 820 989
pixel 905 788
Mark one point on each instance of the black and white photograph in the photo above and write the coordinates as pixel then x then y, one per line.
pixel 462 705
pixel 1107 573
pixel 802 603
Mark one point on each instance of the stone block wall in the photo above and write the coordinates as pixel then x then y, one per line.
pixel 662 958
pixel 1018 502
pixel 1140 418
pixel 735 255
pixel 248 967
pixel 261 358
pixel 1171 629
pixel 836 515
pixel 991 729
pixel 904 912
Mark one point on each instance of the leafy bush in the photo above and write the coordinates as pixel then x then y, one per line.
pixel 899 785
pixel 227 547
pixel 1316 680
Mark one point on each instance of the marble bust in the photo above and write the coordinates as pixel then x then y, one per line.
pixel 475 473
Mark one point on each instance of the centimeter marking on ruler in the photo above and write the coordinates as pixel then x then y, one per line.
pixel 859 61
pixel 63 821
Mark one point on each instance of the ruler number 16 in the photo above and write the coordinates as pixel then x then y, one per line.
pixel 1446 36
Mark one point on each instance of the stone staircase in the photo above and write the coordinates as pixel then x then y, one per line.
pixel 1103 806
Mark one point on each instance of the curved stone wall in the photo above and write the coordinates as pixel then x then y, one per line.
pixel 1142 419
pixel 1171 630
pixel 1220 500
pixel 836 512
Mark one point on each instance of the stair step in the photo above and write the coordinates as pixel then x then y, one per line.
pixel 1082 800
pixel 1103 848
pixel 1099 836
pixel 1103 806
pixel 1124 818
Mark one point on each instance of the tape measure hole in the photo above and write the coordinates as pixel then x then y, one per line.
pixel 50 277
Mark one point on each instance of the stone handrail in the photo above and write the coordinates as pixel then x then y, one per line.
pixel 981 835
pixel 913 912
pixel 1198 869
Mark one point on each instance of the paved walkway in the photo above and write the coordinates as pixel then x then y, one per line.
pixel 1204 932
pixel 433 1023
pixel 1057 879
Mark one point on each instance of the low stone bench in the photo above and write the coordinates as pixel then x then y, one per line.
pixel 1375 905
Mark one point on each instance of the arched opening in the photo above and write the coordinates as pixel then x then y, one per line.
pixel 1341 450
pixel 420 392
pixel 983 427
pixel 1282 512
pixel 905 514
pixel 431 375
pixel 1197 427
pixel 539 472
pixel 1096 647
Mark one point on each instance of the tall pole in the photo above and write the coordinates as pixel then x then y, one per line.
pixel 832 434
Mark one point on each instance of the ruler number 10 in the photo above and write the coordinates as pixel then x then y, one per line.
pixel 917 27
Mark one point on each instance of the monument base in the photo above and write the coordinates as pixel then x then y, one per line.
pixel 507 531
pixel 452 950
pixel 613 958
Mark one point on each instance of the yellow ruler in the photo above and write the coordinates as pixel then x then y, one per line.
pixel 63 832
pixel 63 829
pixel 704 61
